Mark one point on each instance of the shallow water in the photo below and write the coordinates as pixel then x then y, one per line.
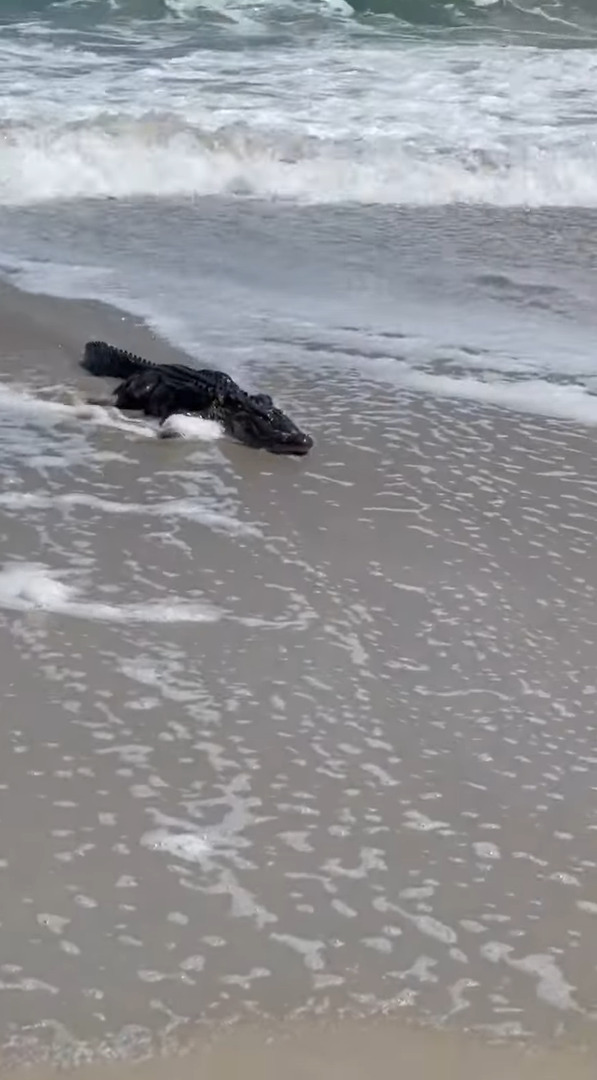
pixel 489 305
pixel 296 739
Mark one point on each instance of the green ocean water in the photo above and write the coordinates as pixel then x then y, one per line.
pixel 560 21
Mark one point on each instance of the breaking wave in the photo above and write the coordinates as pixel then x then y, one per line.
pixel 149 157
pixel 310 117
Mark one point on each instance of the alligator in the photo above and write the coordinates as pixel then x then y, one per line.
pixel 159 390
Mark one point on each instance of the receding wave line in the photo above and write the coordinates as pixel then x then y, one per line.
pixel 185 509
pixel 33 587
pixel 165 157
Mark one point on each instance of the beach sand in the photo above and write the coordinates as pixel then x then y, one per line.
pixel 300 743
pixel 347 1051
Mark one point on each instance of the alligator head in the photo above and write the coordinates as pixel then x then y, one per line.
pixel 254 420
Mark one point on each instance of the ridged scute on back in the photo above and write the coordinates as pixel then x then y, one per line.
pixel 105 360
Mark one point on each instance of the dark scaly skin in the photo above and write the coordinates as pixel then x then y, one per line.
pixel 163 389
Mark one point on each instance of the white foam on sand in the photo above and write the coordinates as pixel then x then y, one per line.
pixel 537 396
pixel 33 587
pixel 22 402
pixel 186 509
pixel 48 413
pixel 191 847
pixel 192 427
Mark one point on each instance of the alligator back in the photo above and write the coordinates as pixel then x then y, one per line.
pixel 111 363
pixel 106 360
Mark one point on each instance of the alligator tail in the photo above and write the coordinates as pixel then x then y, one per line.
pixel 111 363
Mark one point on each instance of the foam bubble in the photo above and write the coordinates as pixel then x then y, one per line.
pixel 189 846
pixel 192 427
pixel 485 850
pixel 28 585
pixel 551 985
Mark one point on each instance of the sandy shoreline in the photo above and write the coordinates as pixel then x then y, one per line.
pixel 344 1051
pixel 44 335
pixel 364 787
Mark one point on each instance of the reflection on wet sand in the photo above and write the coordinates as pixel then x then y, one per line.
pixel 292 742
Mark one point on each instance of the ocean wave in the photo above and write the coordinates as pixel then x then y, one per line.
pixel 546 17
pixel 93 12
pixel 163 157
pixel 338 118
pixel 551 17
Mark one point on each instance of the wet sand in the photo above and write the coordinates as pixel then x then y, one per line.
pixel 292 742
pixel 347 1051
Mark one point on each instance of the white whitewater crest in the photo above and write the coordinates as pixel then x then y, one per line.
pixel 164 158
pixel 31 587
pixel 237 11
